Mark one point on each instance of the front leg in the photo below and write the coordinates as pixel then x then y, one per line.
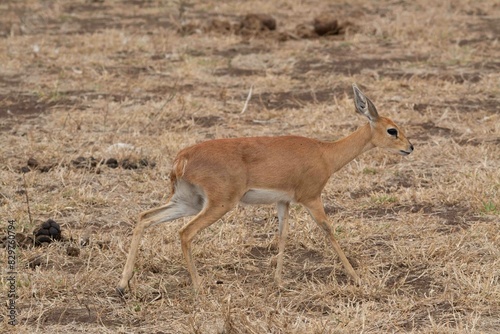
pixel 317 211
pixel 283 208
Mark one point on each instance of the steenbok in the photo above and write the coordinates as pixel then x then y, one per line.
pixel 211 178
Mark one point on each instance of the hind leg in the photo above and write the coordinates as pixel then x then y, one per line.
pixel 172 210
pixel 205 218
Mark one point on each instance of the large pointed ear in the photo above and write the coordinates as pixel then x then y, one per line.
pixel 363 104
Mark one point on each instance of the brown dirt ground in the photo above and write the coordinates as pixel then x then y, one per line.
pixel 84 81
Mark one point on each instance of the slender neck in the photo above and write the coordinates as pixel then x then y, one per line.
pixel 343 151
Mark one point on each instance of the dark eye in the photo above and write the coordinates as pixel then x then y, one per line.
pixel 392 132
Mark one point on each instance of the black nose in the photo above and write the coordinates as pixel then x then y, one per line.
pixel 411 147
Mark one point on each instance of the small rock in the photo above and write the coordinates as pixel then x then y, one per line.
pixel 258 22
pixel 129 164
pixel 45 169
pixel 72 251
pixel 112 163
pixel 326 24
pixel 32 163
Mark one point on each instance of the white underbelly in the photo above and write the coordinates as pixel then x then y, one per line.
pixel 266 196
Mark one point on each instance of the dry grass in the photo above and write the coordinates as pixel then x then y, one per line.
pixel 422 231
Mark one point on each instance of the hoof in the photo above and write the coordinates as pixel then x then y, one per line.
pixel 120 291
